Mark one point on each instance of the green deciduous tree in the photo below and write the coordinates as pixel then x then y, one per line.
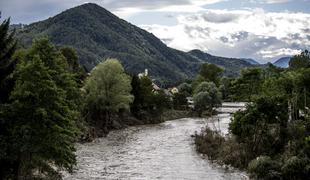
pixel 107 91
pixel 262 126
pixel 185 89
pixel 179 100
pixel 211 72
pixel 300 61
pixel 206 97
pixel 248 85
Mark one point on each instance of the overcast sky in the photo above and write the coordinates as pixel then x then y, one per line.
pixel 260 29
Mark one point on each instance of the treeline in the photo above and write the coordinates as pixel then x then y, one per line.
pixel 271 138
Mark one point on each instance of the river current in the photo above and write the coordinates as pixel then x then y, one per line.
pixel 162 151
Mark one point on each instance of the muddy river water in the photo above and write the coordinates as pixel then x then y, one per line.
pixel 162 151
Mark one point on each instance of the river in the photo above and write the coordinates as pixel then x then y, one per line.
pixel 163 151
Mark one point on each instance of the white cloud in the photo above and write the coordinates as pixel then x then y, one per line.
pixel 269 1
pixel 126 8
pixel 278 52
pixel 252 33
pixel 276 1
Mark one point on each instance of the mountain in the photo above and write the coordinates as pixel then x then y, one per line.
pixel 282 62
pixel 97 34
pixel 232 66
pixel 251 61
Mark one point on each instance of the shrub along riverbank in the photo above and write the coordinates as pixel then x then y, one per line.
pixel 271 137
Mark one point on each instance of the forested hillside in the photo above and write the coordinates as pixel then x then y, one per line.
pixel 97 34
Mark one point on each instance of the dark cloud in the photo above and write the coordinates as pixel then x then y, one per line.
pixel 242 35
pixel 197 31
pixel 294 36
pixel 224 39
pixel 219 18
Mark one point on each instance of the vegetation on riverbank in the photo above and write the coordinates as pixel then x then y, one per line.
pixel 271 138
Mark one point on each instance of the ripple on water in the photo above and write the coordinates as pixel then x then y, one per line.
pixel 163 151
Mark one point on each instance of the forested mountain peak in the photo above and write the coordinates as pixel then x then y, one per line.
pixel 97 34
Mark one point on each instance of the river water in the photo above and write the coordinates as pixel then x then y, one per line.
pixel 163 151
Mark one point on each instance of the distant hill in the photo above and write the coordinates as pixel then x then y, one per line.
pixel 251 61
pixel 97 34
pixel 282 62
pixel 232 66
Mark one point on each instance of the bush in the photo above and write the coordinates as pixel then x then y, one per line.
pixel 209 142
pixel 263 167
pixel 295 168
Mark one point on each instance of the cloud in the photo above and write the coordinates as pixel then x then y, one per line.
pixel 278 52
pixel 26 11
pixel 269 1
pixel 253 33
pixel 214 17
pixel 276 1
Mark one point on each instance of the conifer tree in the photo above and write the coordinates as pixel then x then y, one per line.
pixel 7 49
pixel 7 65
pixel 43 127
pixel 41 116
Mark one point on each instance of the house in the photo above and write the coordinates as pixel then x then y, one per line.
pixel 190 102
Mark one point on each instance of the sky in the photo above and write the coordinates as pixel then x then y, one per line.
pixel 264 30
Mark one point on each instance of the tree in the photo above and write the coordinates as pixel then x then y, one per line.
pixel 202 102
pixel 179 100
pixel 41 117
pixel 206 97
pixel 147 93
pixel 248 85
pixel 213 92
pixel 185 89
pixel 300 61
pixel 7 64
pixel 73 64
pixel 72 58
pixel 225 88
pixel 262 125
pixel 136 105
pixel 107 91
pixel 161 102
pixel 211 72
pixel 42 123
pixel 57 63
